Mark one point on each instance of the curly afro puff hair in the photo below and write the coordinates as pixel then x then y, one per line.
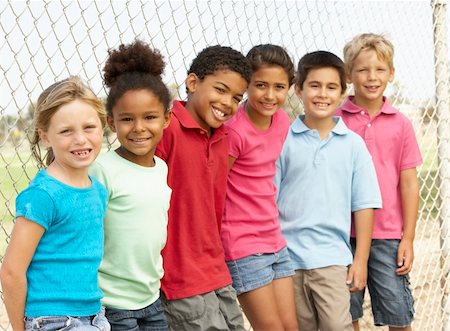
pixel 135 67
pixel 217 57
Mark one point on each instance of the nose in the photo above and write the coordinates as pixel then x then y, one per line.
pixel 269 94
pixel 372 74
pixel 323 92
pixel 227 100
pixel 138 126
pixel 80 138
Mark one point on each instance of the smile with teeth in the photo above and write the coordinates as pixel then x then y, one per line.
pixel 321 104
pixel 218 113
pixel 83 152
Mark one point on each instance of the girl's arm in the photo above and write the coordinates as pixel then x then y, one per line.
pixel 24 240
pixel 409 191
pixel 231 161
pixel 357 274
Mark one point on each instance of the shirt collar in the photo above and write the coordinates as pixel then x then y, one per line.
pixel 350 107
pixel 187 121
pixel 299 127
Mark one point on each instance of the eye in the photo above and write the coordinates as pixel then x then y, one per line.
pixel 237 99
pixel 65 131
pixel 126 119
pixel 260 85
pixel 150 117
pixel 280 87
pixel 220 90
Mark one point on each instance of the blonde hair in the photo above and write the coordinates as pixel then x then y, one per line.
pixel 380 44
pixel 49 102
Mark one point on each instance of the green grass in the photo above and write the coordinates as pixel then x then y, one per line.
pixel 17 168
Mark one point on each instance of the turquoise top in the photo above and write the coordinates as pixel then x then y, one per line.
pixel 62 275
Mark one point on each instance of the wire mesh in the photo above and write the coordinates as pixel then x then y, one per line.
pixel 45 41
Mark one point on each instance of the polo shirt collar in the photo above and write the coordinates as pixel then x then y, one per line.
pixel 350 107
pixel 186 120
pixel 299 127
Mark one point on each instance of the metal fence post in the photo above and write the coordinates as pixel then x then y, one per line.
pixel 442 80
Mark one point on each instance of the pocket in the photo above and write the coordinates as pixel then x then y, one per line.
pixel 47 323
pixel 185 310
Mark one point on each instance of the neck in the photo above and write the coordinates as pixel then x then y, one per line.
pixel 323 126
pixel 72 177
pixel 259 121
pixel 372 106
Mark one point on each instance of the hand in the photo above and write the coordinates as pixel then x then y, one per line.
pixel 405 257
pixel 357 276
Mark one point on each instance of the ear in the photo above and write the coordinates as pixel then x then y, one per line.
pixel 110 121
pixel 349 78
pixel 192 81
pixel 392 75
pixel 167 118
pixel 43 137
pixel 298 92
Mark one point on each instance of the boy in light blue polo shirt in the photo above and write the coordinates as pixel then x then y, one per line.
pixel 325 176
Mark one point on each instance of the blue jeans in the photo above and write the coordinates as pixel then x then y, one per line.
pixel 150 318
pixel 73 323
pixel 257 270
pixel 391 298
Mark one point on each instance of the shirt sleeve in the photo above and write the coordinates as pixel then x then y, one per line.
pixel 37 206
pixel 411 156
pixel 235 143
pixel 98 171
pixel 164 146
pixel 365 189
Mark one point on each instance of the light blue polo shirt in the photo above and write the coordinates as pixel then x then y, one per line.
pixel 320 183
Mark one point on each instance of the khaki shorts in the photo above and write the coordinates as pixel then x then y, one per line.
pixel 215 310
pixel 322 299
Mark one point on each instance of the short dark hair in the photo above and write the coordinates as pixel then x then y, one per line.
pixel 217 57
pixel 135 67
pixel 268 54
pixel 317 60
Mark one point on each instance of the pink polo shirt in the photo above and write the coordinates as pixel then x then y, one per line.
pixel 391 141
pixel 250 223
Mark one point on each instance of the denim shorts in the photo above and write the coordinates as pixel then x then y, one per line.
pixel 390 295
pixel 75 323
pixel 150 318
pixel 257 270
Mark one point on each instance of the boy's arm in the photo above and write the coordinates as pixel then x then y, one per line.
pixel 409 191
pixel 24 240
pixel 357 273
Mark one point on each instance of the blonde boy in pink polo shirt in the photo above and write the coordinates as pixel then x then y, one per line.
pixel 391 141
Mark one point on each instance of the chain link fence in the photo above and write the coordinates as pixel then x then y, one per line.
pixel 44 41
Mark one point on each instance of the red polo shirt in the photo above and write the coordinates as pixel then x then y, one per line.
pixel 193 258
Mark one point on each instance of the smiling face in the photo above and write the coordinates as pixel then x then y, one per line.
pixel 139 119
pixel 267 92
pixel 75 135
pixel 321 94
pixel 370 76
pixel 214 99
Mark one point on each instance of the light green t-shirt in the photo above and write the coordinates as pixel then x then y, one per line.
pixel 135 230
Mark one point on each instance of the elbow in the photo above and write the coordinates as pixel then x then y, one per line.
pixel 9 276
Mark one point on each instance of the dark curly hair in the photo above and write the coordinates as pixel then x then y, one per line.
pixel 134 67
pixel 217 57
pixel 268 54
pixel 318 60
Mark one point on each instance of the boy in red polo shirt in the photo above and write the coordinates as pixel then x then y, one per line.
pixel 197 291
pixel 390 138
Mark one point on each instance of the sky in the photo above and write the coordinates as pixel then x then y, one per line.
pixel 42 42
